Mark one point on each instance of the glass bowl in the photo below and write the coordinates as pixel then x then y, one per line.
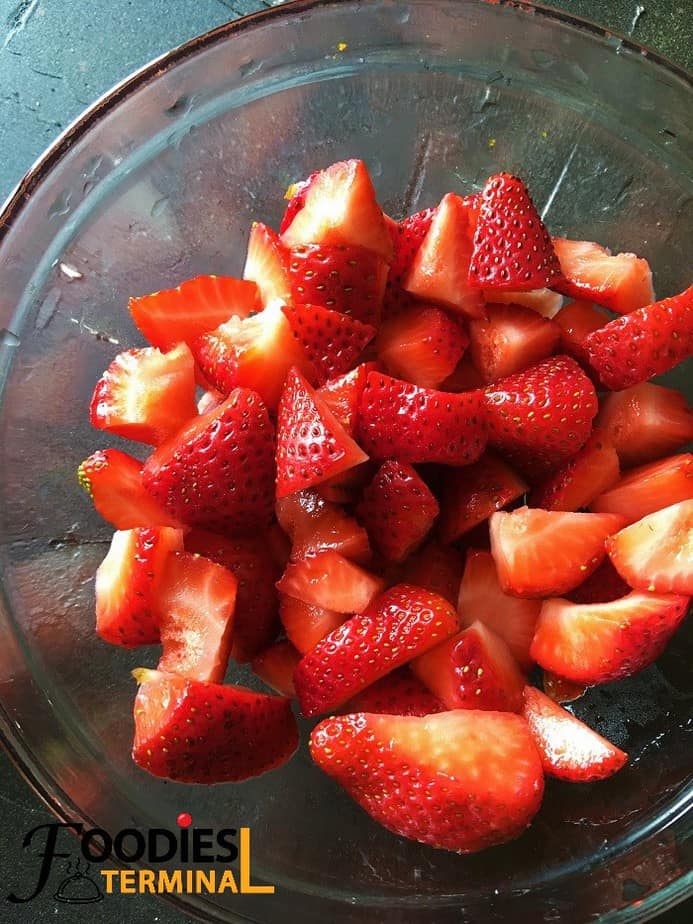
pixel 158 182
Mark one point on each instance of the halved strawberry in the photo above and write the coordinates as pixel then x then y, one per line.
pixel 306 624
pixel 577 320
pixel 649 488
pixel 412 424
pixel 620 283
pixel 437 568
pixel 422 345
pixel 509 339
pixel 472 670
pixel 512 248
pixel 543 301
pixel 464 378
pixel 656 553
pixel 398 510
pixel 328 580
pixel 113 480
pixel 343 395
pixel 312 445
pixel 599 642
pixel 127 584
pixel 542 553
pixel 646 422
pixel 332 341
pixel 397 693
pixel 195 732
pixel 462 780
pixel 145 395
pixel 275 666
pixel 481 598
pixel 472 494
pixel 196 601
pixel 218 471
pixel 314 524
pixel 397 626
pixel 267 265
pixel 593 470
pixel 196 306
pixel 561 690
pixel 602 586
pixel 407 236
pixel 569 749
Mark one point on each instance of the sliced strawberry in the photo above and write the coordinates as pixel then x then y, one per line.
pixel 412 424
pixel 464 378
pixel 407 236
pixel 642 344
pixel 481 598
pixel 577 320
pixel 296 199
pixel 542 553
pixel 422 345
pixel 267 264
pixel 561 690
pixel 569 749
pixel 542 301
pixel 620 283
pixel 332 341
pixel 312 445
pixel 396 627
pixel 343 395
pixel 398 510
pixel 314 525
pixel 602 586
pixel 656 553
pixel 275 666
pixel 462 780
pixel 127 584
pixel 600 642
pixel 196 306
pixel 195 732
pixel 145 395
pixel 593 470
pixel 436 568
pixel 398 693
pixel 512 248
pixel 649 488
pixel 509 339
pixel 306 624
pixel 472 494
pixel 209 400
pixel 346 487
pixel 218 471
pixel 328 580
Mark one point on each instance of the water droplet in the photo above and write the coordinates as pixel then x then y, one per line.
pixel 250 67
pixel 61 206
pixel 159 207
pixel 87 187
pixel 8 339
pixel 92 166
pixel 181 106
pixel 403 15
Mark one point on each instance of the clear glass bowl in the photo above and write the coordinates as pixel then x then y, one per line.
pixel 158 182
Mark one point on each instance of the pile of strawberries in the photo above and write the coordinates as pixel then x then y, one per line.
pixel 395 472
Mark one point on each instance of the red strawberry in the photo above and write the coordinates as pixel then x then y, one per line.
pixel 646 422
pixel 462 780
pixel 561 690
pixel 542 301
pixel 472 670
pixel 569 749
pixel 398 510
pixel 312 445
pixel 250 560
pixel 343 395
pixel 209 400
pixel 540 417
pixel 509 339
pixel 644 343
pixel 331 341
pixel 472 494
pixel 145 395
pixel 482 599
pixel 398 693
pixel 602 586
pixel 649 488
pixel 464 378
pixel 656 553
pixel 436 568
pixel 542 553
pixel 113 480
pixel 196 306
pixel 346 487
pixel 267 264
pixel 296 199
pixel 415 424
pixel 593 470
pixel 512 248
pixel 397 626
pixel 275 666
pixel 422 345
pixel 218 471
pixel 620 283
pixel 314 524
pixel 600 642
pixel 407 236
pixel 195 732
pixel 577 320
pixel 306 624
pixel 328 580
pixel 195 602
pixel 127 584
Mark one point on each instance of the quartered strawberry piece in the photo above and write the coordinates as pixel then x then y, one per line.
pixel 509 339
pixel 398 693
pixel 343 395
pixel 656 553
pixel 314 525
pixel 543 301
pixel 642 344
pixel 327 579
pixel 599 642
pixel 464 378
pixel 591 471
pixel 196 601
pixel 577 320
pixel 621 283
pixel 396 627
pixel 569 749
pixel 306 624
pixel 649 488
pixel 462 780
pixel 412 424
pixel 472 670
pixel 195 732
pixel 218 471
pixel 437 568
pixel 398 510
pixel 267 265
pixel 543 553
pixel 407 236
pixel 145 395
pixel 421 345
pixel 275 666
pixel 602 586
pixel 296 199
pixel 312 445
pixel 173 315
pixel 561 690
pixel 127 584
pixel 512 248
pixel 481 599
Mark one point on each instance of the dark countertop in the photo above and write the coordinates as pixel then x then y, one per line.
pixel 57 57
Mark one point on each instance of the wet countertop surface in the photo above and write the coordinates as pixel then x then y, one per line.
pixel 56 58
